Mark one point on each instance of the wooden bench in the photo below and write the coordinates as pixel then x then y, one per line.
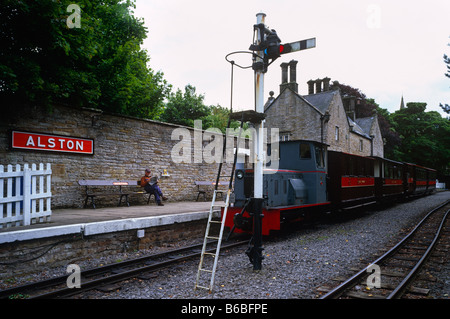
pixel 92 192
pixel 206 184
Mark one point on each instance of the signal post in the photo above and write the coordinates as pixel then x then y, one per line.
pixel 267 48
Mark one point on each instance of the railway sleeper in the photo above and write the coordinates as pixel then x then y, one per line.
pixel 109 288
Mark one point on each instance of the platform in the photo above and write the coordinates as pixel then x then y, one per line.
pixel 106 220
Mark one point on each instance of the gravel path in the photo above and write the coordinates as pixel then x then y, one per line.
pixel 295 264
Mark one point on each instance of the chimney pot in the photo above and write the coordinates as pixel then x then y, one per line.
pixel 293 71
pixel 284 76
pixel 310 86
pixel 326 84
pixel 318 86
pixel 284 72
pixel 293 76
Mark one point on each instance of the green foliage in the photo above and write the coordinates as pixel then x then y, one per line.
pixel 218 118
pixel 425 137
pixel 447 61
pixel 185 108
pixel 446 107
pixel 411 134
pixel 368 107
pixel 99 65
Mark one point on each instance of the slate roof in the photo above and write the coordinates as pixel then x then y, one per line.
pixel 321 100
pixel 356 128
pixel 365 123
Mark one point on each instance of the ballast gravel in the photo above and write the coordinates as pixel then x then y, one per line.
pixel 296 264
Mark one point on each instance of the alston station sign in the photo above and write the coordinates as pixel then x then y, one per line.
pixel 52 143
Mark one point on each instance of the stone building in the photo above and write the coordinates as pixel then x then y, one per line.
pixel 322 115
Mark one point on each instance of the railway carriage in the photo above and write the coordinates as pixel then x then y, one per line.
pixel 419 180
pixel 351 180
pixel 409 178
pixel 388 179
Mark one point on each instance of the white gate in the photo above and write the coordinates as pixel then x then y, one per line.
pixel 25 195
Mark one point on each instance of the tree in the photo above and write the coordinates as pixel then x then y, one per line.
pixel 44 60
pixel 368 107
pixel 185 108
pixel 446 107
pixel 218 118
pixel 425 137
pixel 447 61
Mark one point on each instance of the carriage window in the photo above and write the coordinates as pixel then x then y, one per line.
pixel 305 150
pixel 351 165
pixel 398 172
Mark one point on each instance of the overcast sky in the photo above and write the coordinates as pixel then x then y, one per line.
pixel 384 48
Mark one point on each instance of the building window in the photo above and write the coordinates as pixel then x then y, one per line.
pixel 336 133
pixel 361 145
pixel 284 137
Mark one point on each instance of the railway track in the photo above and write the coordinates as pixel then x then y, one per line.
pixel 107 277
pixel 390 276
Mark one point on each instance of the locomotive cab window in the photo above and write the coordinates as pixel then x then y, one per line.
pixel 320 160
pixel 305 151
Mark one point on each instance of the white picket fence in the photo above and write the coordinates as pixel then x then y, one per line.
pixel 25 195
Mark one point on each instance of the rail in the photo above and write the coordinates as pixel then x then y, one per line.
pixel 401 287
pixel 108 274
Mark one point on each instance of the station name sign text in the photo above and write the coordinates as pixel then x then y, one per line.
pixel 53 143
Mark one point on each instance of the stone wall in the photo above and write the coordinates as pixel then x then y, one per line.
pixel 378 143
pixel 338 121
pixel 123 148
pixel 293 116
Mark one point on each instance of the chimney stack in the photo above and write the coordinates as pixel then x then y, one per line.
pixel 318 84
pixel 293 71
pixel 292 84
pixel 310 86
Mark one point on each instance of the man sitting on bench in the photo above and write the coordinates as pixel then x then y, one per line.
pixel 150 185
